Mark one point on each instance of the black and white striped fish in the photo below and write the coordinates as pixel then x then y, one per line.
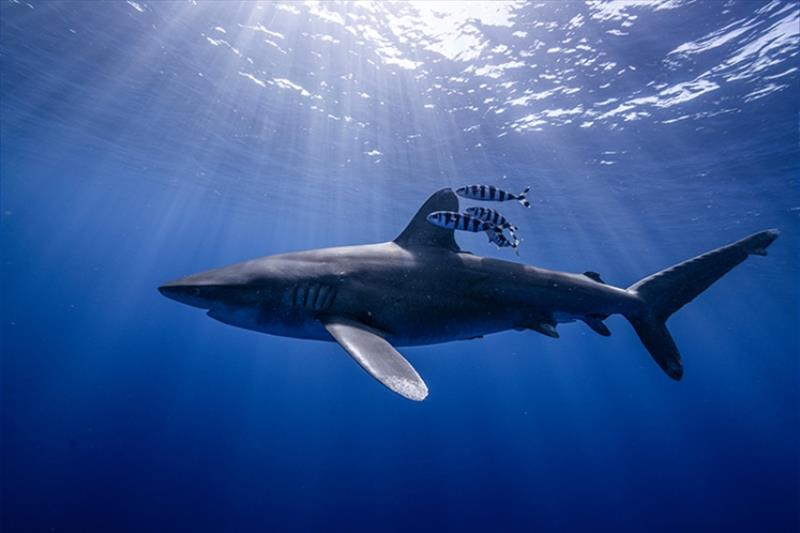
pixel 490 193
pixel 493 217
pixel 499 239
pixel 460 221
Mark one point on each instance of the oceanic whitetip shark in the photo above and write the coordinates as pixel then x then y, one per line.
pixel 421 288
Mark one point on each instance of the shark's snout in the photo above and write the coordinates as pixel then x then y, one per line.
pixel 173 289
pixel 185 293
pixel 196 290
pixel 208 289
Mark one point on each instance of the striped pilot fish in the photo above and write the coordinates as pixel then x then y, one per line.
pixel 493 217
pixel 497 238
pixel 490 193
pixel 453 220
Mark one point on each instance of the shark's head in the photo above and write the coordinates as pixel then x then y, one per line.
pixel 249 294
pixel 232 286
pixel 203 290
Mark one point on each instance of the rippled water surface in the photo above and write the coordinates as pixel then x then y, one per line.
pixel 143 141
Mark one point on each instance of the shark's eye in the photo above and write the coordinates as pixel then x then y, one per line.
pixel 196 291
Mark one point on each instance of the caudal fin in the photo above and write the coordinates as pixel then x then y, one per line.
pixel 523 197
pixel 667 291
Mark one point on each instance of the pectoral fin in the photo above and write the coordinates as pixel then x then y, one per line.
pixel 377 357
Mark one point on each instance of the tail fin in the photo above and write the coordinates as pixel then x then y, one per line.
pixel 667 291
pixel 523 197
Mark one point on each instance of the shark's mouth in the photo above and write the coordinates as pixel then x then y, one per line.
pixel 233 317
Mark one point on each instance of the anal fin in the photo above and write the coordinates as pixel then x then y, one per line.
pixel 597 326
pixel 545 328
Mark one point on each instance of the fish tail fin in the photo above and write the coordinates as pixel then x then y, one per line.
pixel 516 240
pixel 523 197
pixel 667 291
pixel 512 230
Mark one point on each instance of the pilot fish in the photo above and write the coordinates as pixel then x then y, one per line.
pixel 453 220
pixel 490 193
pixel 493 217
pixel 498 238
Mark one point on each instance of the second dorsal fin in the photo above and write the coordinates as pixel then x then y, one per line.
pixel 420 232
pixel 594 276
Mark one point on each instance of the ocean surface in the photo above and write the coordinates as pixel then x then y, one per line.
pixel 144 141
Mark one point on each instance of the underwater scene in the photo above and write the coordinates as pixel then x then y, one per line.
pixel 400 266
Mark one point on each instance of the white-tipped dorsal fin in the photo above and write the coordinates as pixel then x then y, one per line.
pixel 377 357
pixel 420 232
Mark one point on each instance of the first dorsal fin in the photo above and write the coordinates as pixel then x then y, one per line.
pixel 420 232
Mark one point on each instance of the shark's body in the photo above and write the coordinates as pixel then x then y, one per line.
pixel 422 289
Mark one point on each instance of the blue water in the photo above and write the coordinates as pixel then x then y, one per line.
pixel 146 141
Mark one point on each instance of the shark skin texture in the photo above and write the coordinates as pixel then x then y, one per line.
pixel 421 289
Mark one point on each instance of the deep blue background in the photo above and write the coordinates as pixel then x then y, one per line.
pixel 121 168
